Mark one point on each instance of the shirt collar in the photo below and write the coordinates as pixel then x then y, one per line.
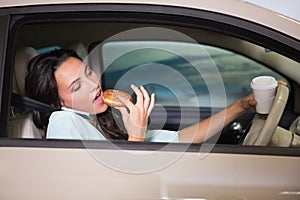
pixel 81 113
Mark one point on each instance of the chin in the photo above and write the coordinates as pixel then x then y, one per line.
pixel 100 109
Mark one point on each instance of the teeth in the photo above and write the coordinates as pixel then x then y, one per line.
pixel 98 94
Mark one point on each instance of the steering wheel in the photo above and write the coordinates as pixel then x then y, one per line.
pixel 264 125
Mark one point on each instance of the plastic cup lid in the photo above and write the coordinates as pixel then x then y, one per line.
pixel 263 83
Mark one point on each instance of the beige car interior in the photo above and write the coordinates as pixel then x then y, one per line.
pixel 21 124
pixel 263 127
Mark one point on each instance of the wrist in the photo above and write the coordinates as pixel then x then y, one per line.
pixel 132 138
pixel 237 108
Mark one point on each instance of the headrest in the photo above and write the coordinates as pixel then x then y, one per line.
pixel 23 56
pixel 82 52
pixel 80 49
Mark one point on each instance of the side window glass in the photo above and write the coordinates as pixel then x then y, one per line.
pixel 185 79
pixel 237 71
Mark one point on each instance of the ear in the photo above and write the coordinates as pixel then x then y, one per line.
pixel 58 106
pixel 62 103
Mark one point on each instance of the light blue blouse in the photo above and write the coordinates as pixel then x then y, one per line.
pixel 73 124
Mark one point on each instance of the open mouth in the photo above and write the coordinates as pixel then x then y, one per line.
pixel 97 99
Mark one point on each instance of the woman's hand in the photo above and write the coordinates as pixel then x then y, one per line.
pixel 248 103
pixel 135 116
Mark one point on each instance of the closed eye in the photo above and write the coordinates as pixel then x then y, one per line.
pixel 76 86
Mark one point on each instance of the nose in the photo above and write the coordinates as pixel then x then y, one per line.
pixel 97 86
pixel 94 84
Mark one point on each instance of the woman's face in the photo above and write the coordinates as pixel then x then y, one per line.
pixel 79 87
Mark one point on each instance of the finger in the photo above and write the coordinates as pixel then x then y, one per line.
pixel 253 102
pixel 151 106
pixel 146 97
pixel 250 96
pixel 139 95
pixel 282 82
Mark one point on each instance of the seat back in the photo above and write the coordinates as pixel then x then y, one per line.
pixel 21 124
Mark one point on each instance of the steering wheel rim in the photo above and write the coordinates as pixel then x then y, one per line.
pixel 263 126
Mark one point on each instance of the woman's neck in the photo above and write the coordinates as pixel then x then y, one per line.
pixel 86 115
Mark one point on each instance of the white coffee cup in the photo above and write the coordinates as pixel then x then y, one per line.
pixel 264 89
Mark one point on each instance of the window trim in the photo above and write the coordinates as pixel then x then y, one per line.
pixel 4 90
pixel 150 146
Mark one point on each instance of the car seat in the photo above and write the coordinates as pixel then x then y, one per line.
pixel 94 58
pixel 90 58
pixel 22 57
pixel 80 49
pixel 21 124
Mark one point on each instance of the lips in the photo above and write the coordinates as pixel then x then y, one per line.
pixel 98 98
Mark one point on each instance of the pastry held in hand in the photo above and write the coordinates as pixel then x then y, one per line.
pixel 111 97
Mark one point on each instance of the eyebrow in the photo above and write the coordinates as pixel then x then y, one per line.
pixel 85 69
pixel 77 79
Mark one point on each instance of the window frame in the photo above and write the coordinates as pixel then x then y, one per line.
pixel 4 90
pixel 150 146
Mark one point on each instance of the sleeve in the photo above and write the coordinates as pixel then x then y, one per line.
pixel 68 125
pixel 162 136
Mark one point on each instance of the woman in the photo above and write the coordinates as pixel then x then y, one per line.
pixel 61 79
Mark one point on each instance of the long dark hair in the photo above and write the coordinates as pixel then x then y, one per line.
pixel 40 84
